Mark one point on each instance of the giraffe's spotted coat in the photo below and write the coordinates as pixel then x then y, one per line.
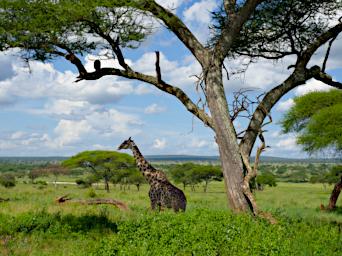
pixel 162 193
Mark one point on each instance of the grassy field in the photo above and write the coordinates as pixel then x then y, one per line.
pixel 31 223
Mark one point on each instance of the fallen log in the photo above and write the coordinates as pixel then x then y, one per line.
pixel 118 204
pixel 62 199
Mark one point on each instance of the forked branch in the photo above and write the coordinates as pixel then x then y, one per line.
pixel 154 80
pixel 252 173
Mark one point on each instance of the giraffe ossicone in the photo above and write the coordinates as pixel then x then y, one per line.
pixel 162 192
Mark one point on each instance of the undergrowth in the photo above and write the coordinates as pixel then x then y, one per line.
pixel 200 231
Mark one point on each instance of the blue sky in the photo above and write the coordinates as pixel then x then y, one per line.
pixel 44 113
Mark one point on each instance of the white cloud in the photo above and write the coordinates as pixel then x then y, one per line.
pixel 18 135
pixel 311 86
pixel 287 144
pixel 173 72
pixel 153 109
pixel 200 12
pixel 198 143
pixel 285 105
pixel 45 81
pixel 170 4
pixel 70 131
pixel 198 17
pixel 159 143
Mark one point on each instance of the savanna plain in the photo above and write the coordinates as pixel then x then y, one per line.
pixel 32 223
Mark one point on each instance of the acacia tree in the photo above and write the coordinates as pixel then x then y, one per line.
pixel 317 118
pixel 270 29
pixel 103 164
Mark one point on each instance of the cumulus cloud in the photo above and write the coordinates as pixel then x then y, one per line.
pixel 174 72
pixel 170 4
pixel 153 109
pixel 159 143
pixel 311 86
pixel 285 105
pixel 45 81
pixel 70 131
pixel 199 143
pixel 198 17
pixel 287 144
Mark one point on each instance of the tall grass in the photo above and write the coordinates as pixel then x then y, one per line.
pixel 31 223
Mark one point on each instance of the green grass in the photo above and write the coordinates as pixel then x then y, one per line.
pixel 31 223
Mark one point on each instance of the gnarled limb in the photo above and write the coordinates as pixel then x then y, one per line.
pixel 252 173
pixel 233 27
pixel 131 74
pixel 177 26
pixel 299 76
pixel 118 204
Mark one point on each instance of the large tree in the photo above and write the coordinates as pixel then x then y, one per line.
pixel 317 118
pixel 270 29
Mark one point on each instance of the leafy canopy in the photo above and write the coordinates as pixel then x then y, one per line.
pixel 43 28
pixel 100 159
pixel 317 117
pixel 279 27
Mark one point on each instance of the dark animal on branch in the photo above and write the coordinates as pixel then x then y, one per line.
pixel 97 65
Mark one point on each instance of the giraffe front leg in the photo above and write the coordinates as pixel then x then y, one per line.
pixel 153 199
pixel 153 205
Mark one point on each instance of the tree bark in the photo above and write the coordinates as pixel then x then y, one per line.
pixel 231 162
pixel 106 182
pixel 334 195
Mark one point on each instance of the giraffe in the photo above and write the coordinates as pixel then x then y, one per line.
pixel 162 193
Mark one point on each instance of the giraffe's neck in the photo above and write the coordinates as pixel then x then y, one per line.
pixel 142 163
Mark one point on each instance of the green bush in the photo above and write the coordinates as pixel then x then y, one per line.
pixel 7 180
pixel 208 232
pixel 41 182
pixel 196 232
pixel 92 193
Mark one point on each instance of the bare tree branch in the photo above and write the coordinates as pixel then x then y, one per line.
pixel 177 27
pixel 299 76
pixel 229 6
pixel 233 28
pixel 130 74
pixel 318 42
pixel 320 75
pixel 158 68
pixel 327 54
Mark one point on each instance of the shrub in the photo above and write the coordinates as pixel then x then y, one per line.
pixel 218 232
pixel 7 180
pixel 41 182
pixel 92 193
pixel 83 183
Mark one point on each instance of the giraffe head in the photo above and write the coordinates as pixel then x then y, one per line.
pixel 126 144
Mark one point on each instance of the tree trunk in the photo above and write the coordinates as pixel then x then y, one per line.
pixel 106 184
pixel 334 195
pixel 205 186
pixel 231 161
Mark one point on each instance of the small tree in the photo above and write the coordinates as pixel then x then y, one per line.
pixel 55 170
pixel 7 180
pixel 102 163
pixel 206 174
pixel 35 173
pixel 317 118
pixel 181 173
pixel 135 178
